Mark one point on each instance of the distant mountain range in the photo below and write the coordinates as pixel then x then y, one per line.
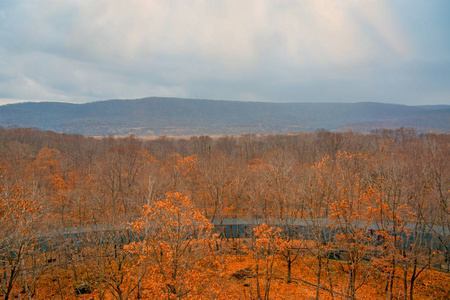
pixel 174 117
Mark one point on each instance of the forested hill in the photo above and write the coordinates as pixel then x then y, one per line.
pixel 174 116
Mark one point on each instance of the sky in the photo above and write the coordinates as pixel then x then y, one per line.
pixel 391 51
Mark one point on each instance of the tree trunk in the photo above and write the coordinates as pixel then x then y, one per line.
pixel 405 282
pixel 353 285
pixel 413 279
pixel 411 289
pixel 352 281
pixel 258 290
pixel 391 279
pixel 330 280
pixel 10 284
pixel 289 273
pixel 12 276
pixel 319 273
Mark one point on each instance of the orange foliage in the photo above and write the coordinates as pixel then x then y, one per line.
pixel 177 249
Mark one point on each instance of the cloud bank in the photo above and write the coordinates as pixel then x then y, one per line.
pixel 255 50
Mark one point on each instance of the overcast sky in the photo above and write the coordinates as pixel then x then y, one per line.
pixel 395 51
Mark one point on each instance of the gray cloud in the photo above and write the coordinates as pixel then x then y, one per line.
pixel 284 50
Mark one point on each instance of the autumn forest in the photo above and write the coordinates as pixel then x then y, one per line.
pixel 320 215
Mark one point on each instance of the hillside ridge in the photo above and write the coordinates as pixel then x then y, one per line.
pixel 156 116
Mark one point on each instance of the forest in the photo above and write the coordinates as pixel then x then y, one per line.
pixel 156 116
pixel 128 218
